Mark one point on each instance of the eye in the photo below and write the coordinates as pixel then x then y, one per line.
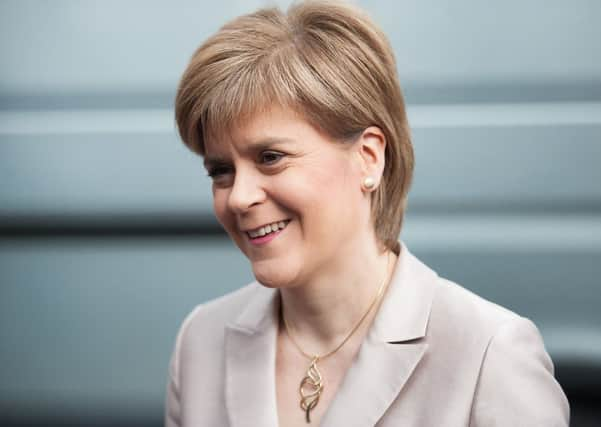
pixel 270 157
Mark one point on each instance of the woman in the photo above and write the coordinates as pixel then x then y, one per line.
pixel 301 124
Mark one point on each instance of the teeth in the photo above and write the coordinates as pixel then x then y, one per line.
pixel 269 228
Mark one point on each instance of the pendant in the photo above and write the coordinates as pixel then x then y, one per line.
pixel 310 389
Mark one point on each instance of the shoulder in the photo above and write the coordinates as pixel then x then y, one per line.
pixel 462 325
pixel 504 354
pixel 212 316
pixel 203 328
pixel 468 326
pixel 454 306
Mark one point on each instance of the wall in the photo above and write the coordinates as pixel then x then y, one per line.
pixel 106 233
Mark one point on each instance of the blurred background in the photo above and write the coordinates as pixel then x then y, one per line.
pixel 107 238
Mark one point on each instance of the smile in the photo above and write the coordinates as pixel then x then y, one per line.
pixel 266 233
pixel 267 229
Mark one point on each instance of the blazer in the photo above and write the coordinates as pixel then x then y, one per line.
pixel 435 355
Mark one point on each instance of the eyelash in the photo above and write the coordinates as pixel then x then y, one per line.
pixel 264 154
pixel 219 170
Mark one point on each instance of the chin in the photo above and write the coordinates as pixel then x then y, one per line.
pixel 272 276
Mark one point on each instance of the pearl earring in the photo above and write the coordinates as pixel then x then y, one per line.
pixel 369 183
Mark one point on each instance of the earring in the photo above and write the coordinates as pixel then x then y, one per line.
pixel 369 183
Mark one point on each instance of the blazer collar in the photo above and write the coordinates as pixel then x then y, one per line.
pixel 386 359
pixel 403 314
pixel 261 312
pixel 250 350
pixel 392 349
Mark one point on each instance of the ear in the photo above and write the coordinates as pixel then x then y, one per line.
pixel 371 148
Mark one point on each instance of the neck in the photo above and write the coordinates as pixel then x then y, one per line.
pixel 324 310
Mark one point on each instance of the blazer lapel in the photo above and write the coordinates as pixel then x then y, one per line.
pixel 250 362
pixel 392 349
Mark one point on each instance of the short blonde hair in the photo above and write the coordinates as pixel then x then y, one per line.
pixel 325 60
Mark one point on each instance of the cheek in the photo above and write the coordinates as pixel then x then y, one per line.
pixel 220 205
pixel 329 169
pixel 334 183
pixel 326 190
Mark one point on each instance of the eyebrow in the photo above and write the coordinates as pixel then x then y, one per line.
pixel 251 146
pixel 266 143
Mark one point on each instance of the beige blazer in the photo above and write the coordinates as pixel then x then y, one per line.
pixel 435 355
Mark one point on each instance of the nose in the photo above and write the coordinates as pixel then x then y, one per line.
pixel 246 191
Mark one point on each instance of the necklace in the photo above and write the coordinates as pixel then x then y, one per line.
pixel 311 386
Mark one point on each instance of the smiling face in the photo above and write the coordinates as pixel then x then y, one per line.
pixel 288 196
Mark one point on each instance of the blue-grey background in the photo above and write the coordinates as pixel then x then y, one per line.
pixel 107 239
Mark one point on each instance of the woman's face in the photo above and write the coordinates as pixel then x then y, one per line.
pixel 288 196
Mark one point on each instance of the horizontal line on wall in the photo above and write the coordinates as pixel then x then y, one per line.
pixel 567 342
pixel 113 225
pixel 143 121
pixel 485 115
pixel 486 207
pixel 161 121
pixel 186 218
pixel 415 92
pixel 502 92
pixel 424 232
pixel 508 233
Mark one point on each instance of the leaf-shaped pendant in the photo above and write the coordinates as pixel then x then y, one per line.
pixel 310 389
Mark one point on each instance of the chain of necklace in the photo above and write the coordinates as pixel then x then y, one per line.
pixel 311 386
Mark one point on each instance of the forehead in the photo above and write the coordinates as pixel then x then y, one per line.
pixel 261 130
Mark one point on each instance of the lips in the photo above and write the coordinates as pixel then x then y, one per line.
pixel 267 229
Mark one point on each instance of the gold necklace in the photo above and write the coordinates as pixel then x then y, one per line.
pixel 311 386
